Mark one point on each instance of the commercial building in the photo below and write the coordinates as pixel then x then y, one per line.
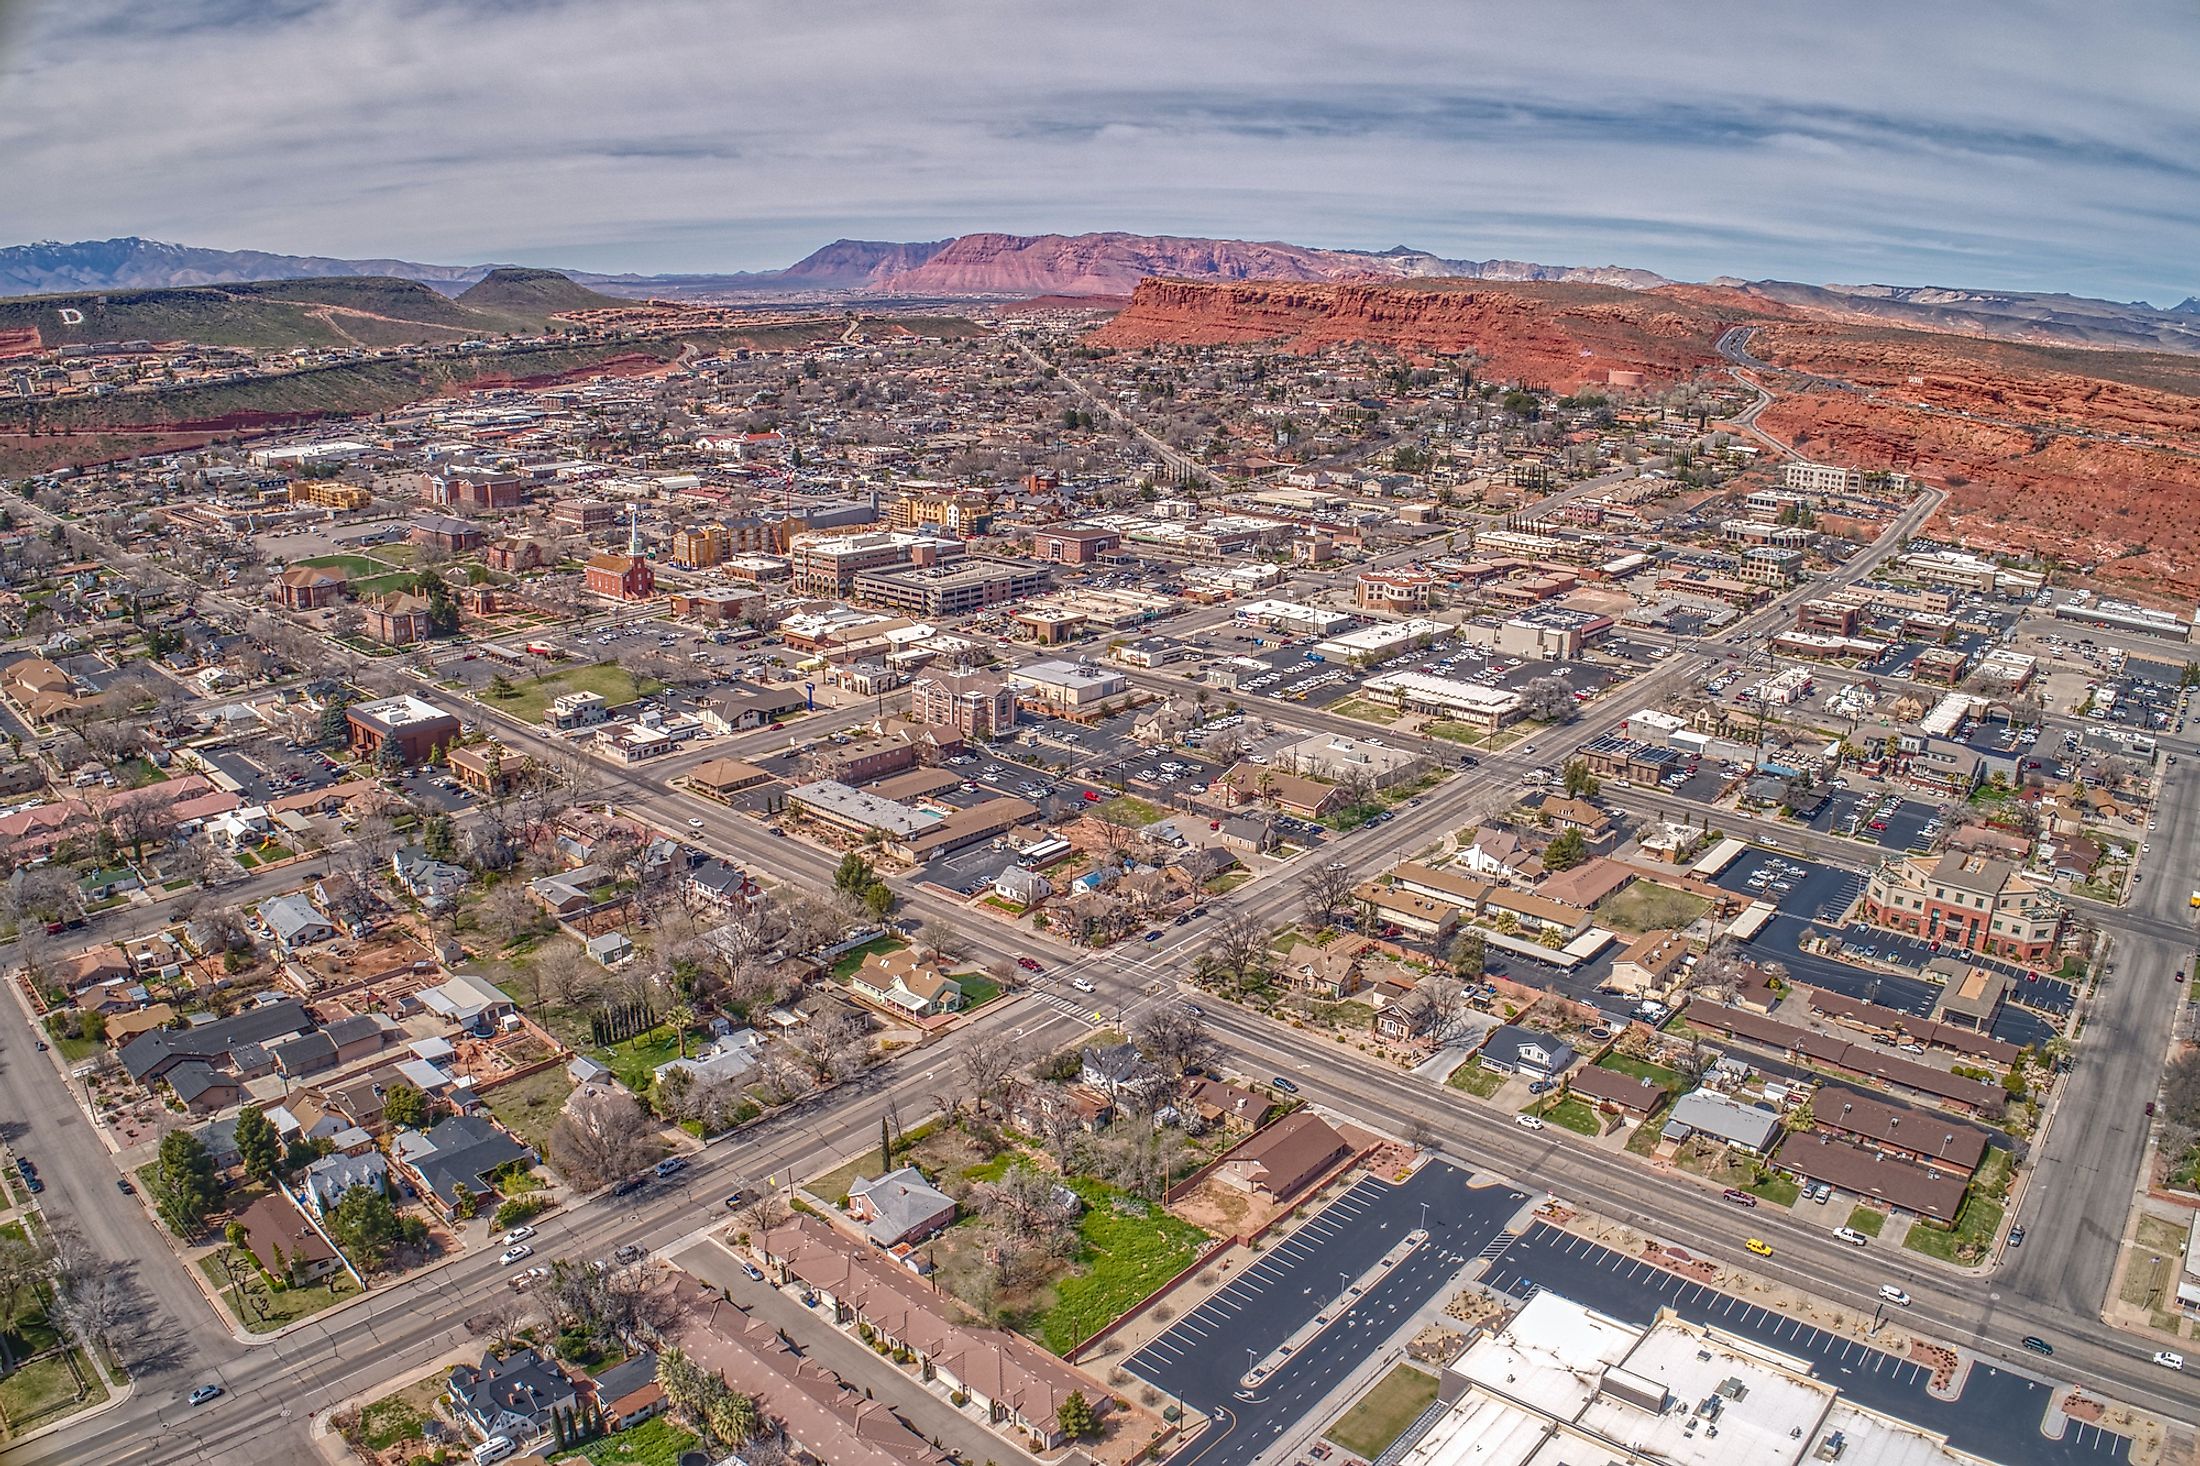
pixel 414 728
pixel 1076 545
pixel 1070 684
pixel 1486 709
pixel 1397 591
pixel 828 564
pixel 937 591
pixel 972 703
pixel 1965 900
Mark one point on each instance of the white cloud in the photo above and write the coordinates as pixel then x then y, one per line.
pixel 1876 141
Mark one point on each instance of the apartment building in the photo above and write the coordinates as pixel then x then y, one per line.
pixel 972 703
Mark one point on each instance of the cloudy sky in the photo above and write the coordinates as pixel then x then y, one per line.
pixel 2016 144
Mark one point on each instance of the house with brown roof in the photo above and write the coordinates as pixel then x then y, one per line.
pixel 399 619
pixel 1281 1161
pixel 40 689
pixel 1330 971
pixel 310 587
pixel 284 1243
pixel 1296 794
pixel 1635 1096
pixel 1815 1156
pixel 1649 966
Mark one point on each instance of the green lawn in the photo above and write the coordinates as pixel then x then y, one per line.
pixel 1640 1069
pixel 46 1389
pixel 1475 1079
pixel 913 1150
pixel 608 680
pixel 528 1107
pixel 1365 710
pixel 1452 732
pixel 635 1060
pixel 376 585
pixel 977 990
pixel 1569 1112
pixel 136 773
pixel 1124 1256
pixel 1128 809
pixel 264 1310
pixel 1647 906
pixel 1967 1242
pixel 655 1442
pixel 352 565
pixel 1383 1413
pixel 1869 1220
pixel 845 965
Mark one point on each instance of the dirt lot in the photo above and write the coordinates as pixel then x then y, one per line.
pixel 1223 1209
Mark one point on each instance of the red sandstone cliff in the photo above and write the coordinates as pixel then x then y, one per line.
pixel 1557 335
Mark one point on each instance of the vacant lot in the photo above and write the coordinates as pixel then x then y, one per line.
pixel 528 1107
pixel 1129 1249
pixel 1647 906
pixel 1383 1413
pixel 614 684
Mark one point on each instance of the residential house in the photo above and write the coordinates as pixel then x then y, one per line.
pixel 1649 967
pixel 328 1178
pixel 204 1089
pixel 459 1152
pixel 1747 1127
pixel 1634 1096
pixel 1331 971
pixel 514 1397
pixel 293 922
pixel 1511 1049
pixel 1115 1070
pixel 284 1243
pixel 900 1206
pixel 435 884
pixel 906 983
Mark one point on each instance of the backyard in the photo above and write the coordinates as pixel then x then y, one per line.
pixel 1647 906
pixel 655 1442
pixel 1383 1413
pixel 528 1107
pixel 52 1385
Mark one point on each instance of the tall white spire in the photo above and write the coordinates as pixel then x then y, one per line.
pixel 634 530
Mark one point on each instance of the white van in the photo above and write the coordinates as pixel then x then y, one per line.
pixel 495 1448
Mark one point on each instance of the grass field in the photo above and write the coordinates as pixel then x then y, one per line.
pixel 46 1389
pixel 1365 711
pixel 845 965
pixel 353 566
pixel 1968 1240
pixel 1130 1248
pixel 1452 732
pixel 1647 906
pixel 977 990
pixel 528 1107
pixel 613 683
pixel 1383 1413
pixel 655 1442
pixel 1128 809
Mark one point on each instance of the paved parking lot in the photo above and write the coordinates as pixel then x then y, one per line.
pixel 1817 894
pixel 1998 1416
pixel 1202 1356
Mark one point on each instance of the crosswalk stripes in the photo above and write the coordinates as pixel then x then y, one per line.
pixel 1498 1244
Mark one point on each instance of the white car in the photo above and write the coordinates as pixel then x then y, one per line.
pixel 1851 1236
pixel 2169 1359
pixel 519 1234
pixel 1528 1122
pixel 1894 1295
pixel 695 824
pixel 1083 985
pixel 511 1255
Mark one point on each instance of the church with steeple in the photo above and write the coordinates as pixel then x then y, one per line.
pixel 625 577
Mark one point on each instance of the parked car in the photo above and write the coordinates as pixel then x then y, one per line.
pixel 630 1252
pixel 519 1234
pixel 671 1165
pixel 1527 1122
pixel 2016 1236
pixel 756 1274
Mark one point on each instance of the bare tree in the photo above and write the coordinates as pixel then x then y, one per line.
pixel 946 939
pixel 985 1062
pixel 1176 1040
pixel 764 1212
pixel 1328 890
pixel 601 1136
pixel 1239 951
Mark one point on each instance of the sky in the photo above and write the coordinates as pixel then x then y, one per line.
pixel 2012 145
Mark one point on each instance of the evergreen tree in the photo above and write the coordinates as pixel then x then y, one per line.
pixel 258 1146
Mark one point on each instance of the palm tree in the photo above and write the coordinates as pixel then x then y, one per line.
pixel 682 1017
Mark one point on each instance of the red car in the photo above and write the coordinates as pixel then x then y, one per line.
pixel 1092 796
pixel 1028 965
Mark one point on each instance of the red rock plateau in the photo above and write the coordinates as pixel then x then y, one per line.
pixel 2091 456
pixel 1555 335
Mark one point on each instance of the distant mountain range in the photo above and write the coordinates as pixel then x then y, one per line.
pixel 1110 266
